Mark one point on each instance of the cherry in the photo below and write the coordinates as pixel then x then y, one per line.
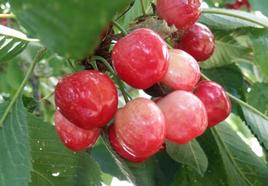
pixel 185 115
pixel 238 4
pixel 182 14
pixel 183 72
pixel 216 101
pixel 198 41
pixel 72 136
pixel 140 58
pixel 140 127
pixel 87 98
pixel 119 148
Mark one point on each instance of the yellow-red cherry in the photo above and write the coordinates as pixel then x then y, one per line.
pixel 119 149
pixel 183 71
pixel 140 127
pixel 73 137
pixel 181 13
pixel 185 114
pixel 141 58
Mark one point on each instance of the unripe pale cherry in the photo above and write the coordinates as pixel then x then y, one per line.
pixel 181 13
pixel 185 115
pixel 119 148
pixel 198 41
pixel 183 71
pixel 87 98
pixel 73 137
pixel 216 101
pixel 140 58
pixel 140 127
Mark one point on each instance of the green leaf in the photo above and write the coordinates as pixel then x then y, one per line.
pixel 53 164
pixel 215 174
pixel 134 12
pixel 106 161
pixel 219 18
pixel 190 154
pixel 12 42
pixel 259 90
pixel 166 169
pixel 144 172
pixel 227 51
pixel 242 165
pixel 258 125
pixel 12 71
pixel 228 76
pixel 70 28
pixel 224 22
pixel 15 156
pixel 259 40
pixel 260 5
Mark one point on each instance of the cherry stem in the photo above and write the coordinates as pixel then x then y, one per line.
pixel 240 102
pixel 46 97
pixel 143 8
pixel 119 82
pixel 40 54
pixel 119 27
pixel 94 64
pixel 233 13
pixel 12 16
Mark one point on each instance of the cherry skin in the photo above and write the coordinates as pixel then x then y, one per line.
pixel 185 115
pixel 140 127
pixel 198 41
pixel 87 98
pixel 140 58
pixel 216 101
pixel 183 71
pixel 182 14
pixel 120 150
pixel 73 137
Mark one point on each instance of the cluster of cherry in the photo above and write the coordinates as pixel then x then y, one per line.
pixel 87 100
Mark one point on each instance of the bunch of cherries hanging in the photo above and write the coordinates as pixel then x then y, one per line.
pixel 88 100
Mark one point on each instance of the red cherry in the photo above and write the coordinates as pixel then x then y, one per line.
pixel 198 41
pixel 120 150
pixel 72 136
pixel 185 115
pixel 87 98
pixel 141 58
pixel 181 13
pixel 216 101
pixel 183 71
pixel 235 6
pixel 140 127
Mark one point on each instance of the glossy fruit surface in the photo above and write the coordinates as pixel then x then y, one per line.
pixel 72 136
pixel 140 127
pixel 181 13
pixel 198 41
pixel 141 58
pixel 183 71
pixel 87 98
pixel 119 148
pixel 185 115
pixel 216 101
